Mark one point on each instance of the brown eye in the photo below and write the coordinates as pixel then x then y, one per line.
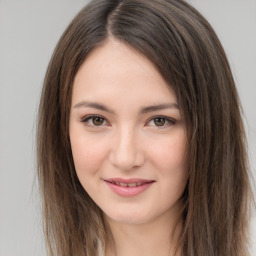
pixel 159 121
pixel 94 120
pixel 97 121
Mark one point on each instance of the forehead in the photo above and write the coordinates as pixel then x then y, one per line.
pixel 115 69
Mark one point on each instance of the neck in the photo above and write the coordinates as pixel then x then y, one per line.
pixel 158 237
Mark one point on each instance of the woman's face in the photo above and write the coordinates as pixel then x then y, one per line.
pixel 127 136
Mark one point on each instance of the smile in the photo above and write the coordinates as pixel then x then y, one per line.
pixel 122 184
pixel 128 188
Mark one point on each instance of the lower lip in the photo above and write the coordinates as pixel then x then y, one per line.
pixel 128 191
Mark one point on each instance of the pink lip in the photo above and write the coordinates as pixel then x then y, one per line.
pixel 128 191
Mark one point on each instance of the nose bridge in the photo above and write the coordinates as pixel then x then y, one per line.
pixel 126 152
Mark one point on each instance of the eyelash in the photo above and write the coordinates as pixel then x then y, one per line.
pixel 168 120
pixel 90 117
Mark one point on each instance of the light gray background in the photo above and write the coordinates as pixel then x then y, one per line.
pixel 29 31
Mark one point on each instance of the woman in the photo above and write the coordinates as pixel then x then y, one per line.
pixel 141 147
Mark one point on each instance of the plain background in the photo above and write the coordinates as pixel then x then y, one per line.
pixel 29 31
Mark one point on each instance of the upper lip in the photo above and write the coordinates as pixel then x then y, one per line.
pixel 128 181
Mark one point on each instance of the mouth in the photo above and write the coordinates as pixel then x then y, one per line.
pixel 128 187
pixel 124 184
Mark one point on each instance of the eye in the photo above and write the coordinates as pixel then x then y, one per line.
pixel 161 121
pixel 94 120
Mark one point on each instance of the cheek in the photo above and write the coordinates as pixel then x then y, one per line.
pixel 88 154
pixel 170 153
pixel 170 159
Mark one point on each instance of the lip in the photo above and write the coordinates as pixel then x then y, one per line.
pixel 129 187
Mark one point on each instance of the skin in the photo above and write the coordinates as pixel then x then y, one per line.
pixel 128 143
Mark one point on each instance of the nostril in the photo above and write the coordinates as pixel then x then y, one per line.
pixel 124 161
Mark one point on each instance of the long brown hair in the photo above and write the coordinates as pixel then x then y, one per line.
pixel 186 51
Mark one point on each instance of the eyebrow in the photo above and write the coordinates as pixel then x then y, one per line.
pixel 153 108
pixel 143 110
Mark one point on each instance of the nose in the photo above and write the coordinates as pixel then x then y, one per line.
pixel 126 152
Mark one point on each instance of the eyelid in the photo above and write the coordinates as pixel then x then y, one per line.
pixel 171 121
pixel 84 119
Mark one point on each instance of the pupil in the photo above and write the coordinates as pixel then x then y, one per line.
pixel 97 121
pixel 159 121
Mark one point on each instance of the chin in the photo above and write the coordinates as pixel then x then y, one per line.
pixel 132 218
pixel 128 220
